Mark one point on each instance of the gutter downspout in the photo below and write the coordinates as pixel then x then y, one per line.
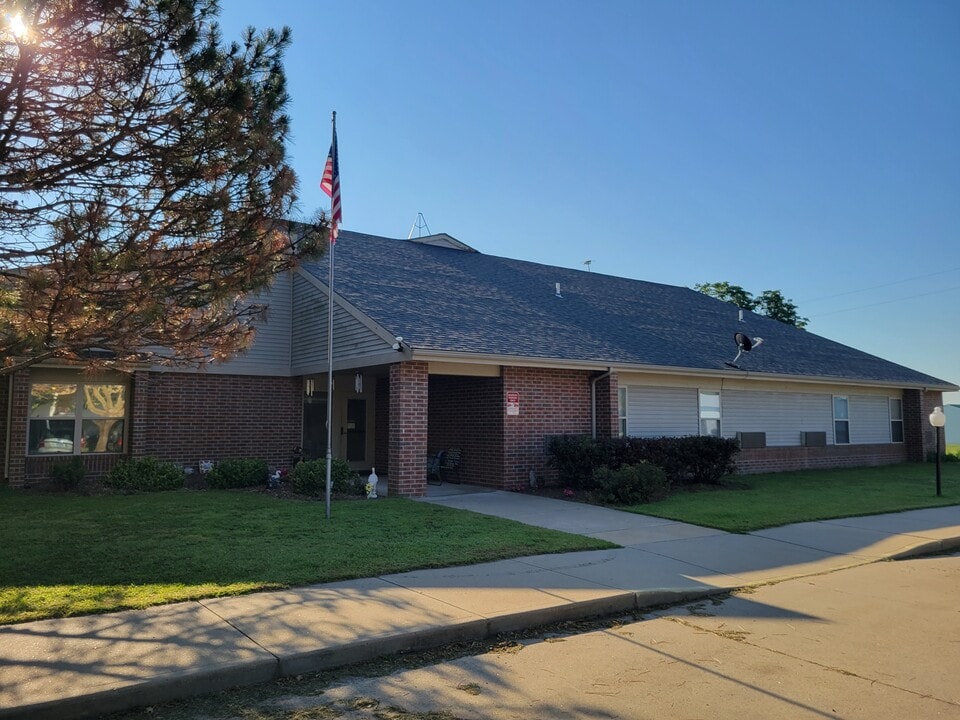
pixel 593 400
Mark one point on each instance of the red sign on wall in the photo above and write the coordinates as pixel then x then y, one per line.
pixel 513 403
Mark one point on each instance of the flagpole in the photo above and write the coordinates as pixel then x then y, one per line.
pixel 330 339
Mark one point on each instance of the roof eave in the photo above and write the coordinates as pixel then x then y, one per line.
pixel 566 364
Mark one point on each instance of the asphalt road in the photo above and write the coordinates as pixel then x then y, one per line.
pixel 877 641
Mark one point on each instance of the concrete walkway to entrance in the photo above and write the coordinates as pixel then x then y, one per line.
pixel 88 666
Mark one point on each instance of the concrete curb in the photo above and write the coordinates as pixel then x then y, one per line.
pixel 196 681
pixel 933 547
pixel 174 686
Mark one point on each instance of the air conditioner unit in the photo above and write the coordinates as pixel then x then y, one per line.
pixel 813 439
pixel 748 440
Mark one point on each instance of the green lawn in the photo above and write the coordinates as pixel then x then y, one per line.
pixel 66 555
pixel 752 502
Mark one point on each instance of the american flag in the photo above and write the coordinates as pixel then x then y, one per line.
pixel 330 184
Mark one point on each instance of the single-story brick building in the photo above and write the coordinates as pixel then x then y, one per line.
pixel 496 356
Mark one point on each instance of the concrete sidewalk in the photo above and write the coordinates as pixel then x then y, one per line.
pixel 88 666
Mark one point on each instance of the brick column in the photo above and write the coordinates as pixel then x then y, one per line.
pixel 20 409
pixel 608 416
pixel 139 413
pixel 408 429
pixel 918 433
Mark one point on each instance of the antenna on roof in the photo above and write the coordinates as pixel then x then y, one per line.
pixel 587 263
pixel 744 344
pixel 419 225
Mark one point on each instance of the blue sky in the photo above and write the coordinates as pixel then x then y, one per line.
pixel 808 146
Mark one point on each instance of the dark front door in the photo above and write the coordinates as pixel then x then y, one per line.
pixel 315 428
pixel 356 430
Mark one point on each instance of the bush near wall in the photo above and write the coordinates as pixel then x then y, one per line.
pixel 310 478
pixel 237 473
pixel 631 484
pixel 694 458
pixel 575 457
pixel 147 474
pixel 690 459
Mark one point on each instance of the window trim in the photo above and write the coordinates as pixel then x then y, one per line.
pixel 837 420
pixel 701 418
pixel 80 415
pixel 893 420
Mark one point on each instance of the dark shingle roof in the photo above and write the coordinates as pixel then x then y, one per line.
pixel 443 299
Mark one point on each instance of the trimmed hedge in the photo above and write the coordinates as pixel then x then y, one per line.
pixel 690 459
pixel 237 473
pixel 575 457
pixel 693 459
pixel 310 478
pixel 147 474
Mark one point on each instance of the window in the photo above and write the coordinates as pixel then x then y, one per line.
pixel 841 420
pixel 896 420
pixel 622 410
pixel 710 413
pixel 76 417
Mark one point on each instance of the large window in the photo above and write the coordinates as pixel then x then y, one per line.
pixel 710 413
pixel 76 417
pixel 896 420
pixel 841 420
pixel 622 410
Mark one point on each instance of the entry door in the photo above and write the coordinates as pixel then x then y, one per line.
pixel 356 430
pixel 315 428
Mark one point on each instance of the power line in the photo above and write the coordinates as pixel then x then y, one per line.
pixel 887 302
pixel 877 287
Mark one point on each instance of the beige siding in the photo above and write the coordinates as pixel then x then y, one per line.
pixel 269 354
pixel 352 339
pixel 781 415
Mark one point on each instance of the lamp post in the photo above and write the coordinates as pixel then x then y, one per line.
pixel 938 420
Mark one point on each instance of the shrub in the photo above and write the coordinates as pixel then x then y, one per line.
pixel 575 457
pixel 631 484
pixel 147 474
pixel 237 473
pixel 310 478
pixel 69 474
pixel 699 459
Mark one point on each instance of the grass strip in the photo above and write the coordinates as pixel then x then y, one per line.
pixel 69 555
pixel 752 502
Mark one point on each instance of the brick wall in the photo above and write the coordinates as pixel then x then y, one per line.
pixel 189 417
pixel 552 402
pixel 780 459
pixel 467 412
pixel 408 429
pixel 608 420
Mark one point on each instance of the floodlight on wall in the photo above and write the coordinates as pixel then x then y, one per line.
pixel 398 345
